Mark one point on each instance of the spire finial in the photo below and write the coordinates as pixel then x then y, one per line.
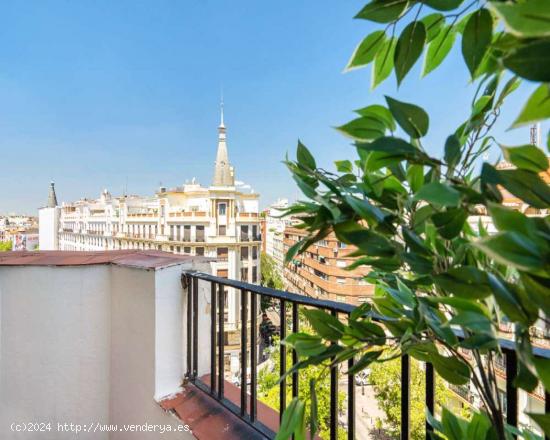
pixel 221 110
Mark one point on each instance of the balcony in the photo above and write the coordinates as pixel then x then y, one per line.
pixel 145 327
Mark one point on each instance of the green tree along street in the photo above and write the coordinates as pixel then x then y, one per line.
pixel 270 275
pixel 386 380
pixel 268 389
pixel 407 211
pixel 5 246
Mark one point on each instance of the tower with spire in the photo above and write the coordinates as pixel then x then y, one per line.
pixel 52 198
pixel 223 171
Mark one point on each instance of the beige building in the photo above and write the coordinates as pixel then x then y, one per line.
pixel 220 221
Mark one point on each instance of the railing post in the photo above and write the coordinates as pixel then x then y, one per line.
pixel 351 402
pixel 282 360
pixel 511 390
pixel 212 337
pixel 430 396
pixel 334 397
pixel 253 354
pixel 195 327
pixel 189 325
pixel 244 320
pixel 221 364
pixel 405 396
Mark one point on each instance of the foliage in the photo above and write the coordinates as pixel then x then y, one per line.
pixel 270 275
pixel 386 380
pixel 5 246
pixel 268 389
pixel 435 273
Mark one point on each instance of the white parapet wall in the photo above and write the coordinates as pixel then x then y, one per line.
pixel 92 345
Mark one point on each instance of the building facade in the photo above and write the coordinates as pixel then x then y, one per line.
pixel 320 272
pixel 273 228
pixel 220 221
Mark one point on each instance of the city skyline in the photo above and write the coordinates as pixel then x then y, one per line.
pixel 132 100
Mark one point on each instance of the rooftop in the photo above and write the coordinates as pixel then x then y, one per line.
pixel 145 259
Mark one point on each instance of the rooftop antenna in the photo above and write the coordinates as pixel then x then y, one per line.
pixel 535 134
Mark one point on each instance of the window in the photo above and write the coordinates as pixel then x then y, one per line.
pixel 341 298
pixel 187 250
pixel 199 251
pixel 221 253
pixel 244 253
pixel 199 232
pixel 341 263
pixel 254 252
pixel 341 280
pixel 255 231
pixel 244 233
pixel 342 245
pixel 186 233
pixel 254 274
pixel 221 230
pixel 362 299
pixel 244 273
pixel 221 208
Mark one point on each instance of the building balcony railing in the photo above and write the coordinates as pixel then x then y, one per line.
pixel 214 383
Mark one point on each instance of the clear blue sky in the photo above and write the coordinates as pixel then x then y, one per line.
pixel 94 93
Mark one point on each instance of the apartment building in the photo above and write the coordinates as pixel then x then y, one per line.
pixel 320 271
pixel 220 221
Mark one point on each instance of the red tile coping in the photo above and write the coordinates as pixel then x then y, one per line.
pixel 147 259
pixel 209 419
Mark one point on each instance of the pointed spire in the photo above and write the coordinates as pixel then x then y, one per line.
pixel 52 198
pixel 223 171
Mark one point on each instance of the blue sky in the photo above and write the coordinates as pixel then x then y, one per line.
pixel 94 94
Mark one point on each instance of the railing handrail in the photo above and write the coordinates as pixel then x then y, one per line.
pixel 274 293
pixel 506 345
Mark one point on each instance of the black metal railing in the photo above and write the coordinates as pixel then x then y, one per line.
pixel 248 398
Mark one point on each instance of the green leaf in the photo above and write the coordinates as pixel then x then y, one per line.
pixel 526 157
pixel 327 326
pixel 511 85
pixel 543 420
pixel 409 48
pixel 525 19
pixel 438 193
pixel 452 151
pixel 508 299
pixel 365 360
pixel 365 52
pixel 293 418
pixel 473 321
pixel 344 166
pixel 305 344
pixel 478 427
pixel 433 24
pixel 452 427
pixel 525 379
pixel 363 128
pixel 371 243
pixel 450 222
pixel 304 157
pixel 476 38
pixel 383 62
pixel 513 249
pixel 443 5
pixel 366 210
pixel 542 365
pixel 526 185
pixel 382 11
pixel 530 61
pixel 507 219
pixel 465 281
pixel 438 49
pixel 380 112
pixel 415 176
pixel 537 107
pixel 411 118
pixel 451 369
pixel 538 290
